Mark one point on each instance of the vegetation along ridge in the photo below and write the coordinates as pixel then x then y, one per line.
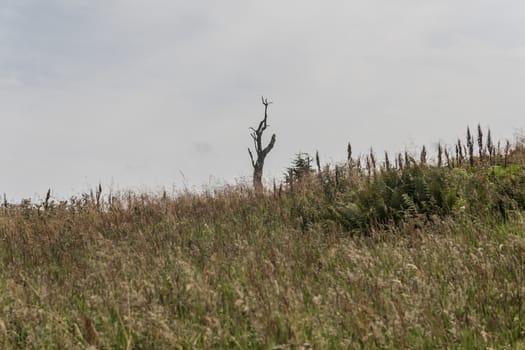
pixel 406 252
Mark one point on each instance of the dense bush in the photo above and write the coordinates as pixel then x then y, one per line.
pixel 359 202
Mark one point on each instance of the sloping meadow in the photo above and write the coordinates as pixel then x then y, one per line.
pixel 413 255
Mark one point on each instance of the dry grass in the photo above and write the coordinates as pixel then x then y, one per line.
pixel 232 270
pixel 395 256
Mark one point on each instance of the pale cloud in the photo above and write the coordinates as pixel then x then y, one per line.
pixel 202 148
pixel 9 82
pixel 132 90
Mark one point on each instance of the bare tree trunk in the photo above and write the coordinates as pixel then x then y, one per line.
pixel 257 178
pixel 261 153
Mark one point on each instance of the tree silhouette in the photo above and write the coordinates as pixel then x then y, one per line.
pixel 261 153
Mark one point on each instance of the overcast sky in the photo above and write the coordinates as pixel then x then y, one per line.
pixel 151 93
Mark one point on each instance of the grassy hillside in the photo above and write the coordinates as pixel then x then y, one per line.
pixel 402 254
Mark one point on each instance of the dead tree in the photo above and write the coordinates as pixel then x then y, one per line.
pixel 261 153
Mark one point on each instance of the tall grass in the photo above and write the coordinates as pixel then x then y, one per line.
pixel 400 254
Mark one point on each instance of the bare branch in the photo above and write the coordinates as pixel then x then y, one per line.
pixel 262 126
pixel 251 157
pixel 270 145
